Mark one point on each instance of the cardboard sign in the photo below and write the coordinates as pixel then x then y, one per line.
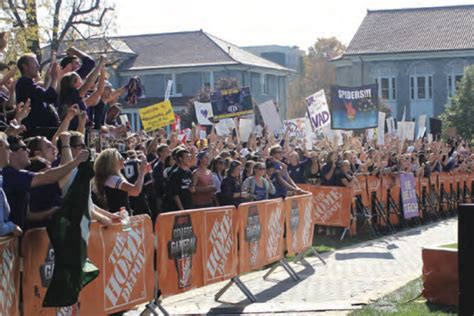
pixel 391 125
pixel 354 107
pixel 299 223
pixel 409 200
pixel 231 103
pixel 409 131
pixel 158 115
pixel 381 129
pixel 246 126
pixel 317 110
pixel 270 116
pixel 169 85
pixel 10 276
pixel 261 234
pixel 296 127
pixel 203 112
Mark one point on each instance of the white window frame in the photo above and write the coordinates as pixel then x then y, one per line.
pixel 428 88
pixel 392 90
pixel 264 83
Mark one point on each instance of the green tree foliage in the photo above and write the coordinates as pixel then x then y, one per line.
pixel 318 74
pixel 460 113
pixel 34 23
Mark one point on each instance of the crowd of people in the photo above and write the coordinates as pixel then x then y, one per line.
pixel 47 119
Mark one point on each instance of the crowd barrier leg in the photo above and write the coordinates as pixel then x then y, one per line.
pixel 300 256
pixel 283 263
pixel 240 285
pixel 366 215
pixel 394 209
pixel 380 212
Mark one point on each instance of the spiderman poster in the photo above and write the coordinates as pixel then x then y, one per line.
pixel 354 107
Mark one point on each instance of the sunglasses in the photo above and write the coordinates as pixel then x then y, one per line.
pixel 262 168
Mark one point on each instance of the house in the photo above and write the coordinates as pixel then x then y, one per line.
pixel 193 60
pixel 286 56
pixel 415 55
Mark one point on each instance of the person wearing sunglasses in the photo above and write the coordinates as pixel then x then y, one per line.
pixel 17 181
pixel 259 186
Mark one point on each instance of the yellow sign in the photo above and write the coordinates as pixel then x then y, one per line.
pixel 157 115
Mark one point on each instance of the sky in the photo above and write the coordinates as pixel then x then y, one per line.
pixel 257 22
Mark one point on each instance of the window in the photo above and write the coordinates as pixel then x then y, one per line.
pixel 455 71
pixel 421 87
pixel 421 81
pixel 206 79
pixel 385 78
pixel 264 83
pixel 387 88
pixel 453 83
pixel 179 84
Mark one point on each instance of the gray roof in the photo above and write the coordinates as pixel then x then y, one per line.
pixel 415 30
pixel 188 49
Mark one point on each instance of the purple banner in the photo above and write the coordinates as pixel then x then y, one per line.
pixel 409 201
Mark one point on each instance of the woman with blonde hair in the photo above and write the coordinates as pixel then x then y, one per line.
pixel 111 186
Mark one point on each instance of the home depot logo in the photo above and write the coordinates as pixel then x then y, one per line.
pixel 275 232
pixel 373 184
pixel 127 260
pixel 308 223
pixel 7 284
pixel 221 243
pixel 294 222
pixel 327 204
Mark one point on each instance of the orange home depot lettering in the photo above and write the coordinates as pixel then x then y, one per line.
pixel 275 226
pixel 299 223
pixel 332 205
pixel 179 253
pixel 125 261
pixel 220 251
pixel 9 276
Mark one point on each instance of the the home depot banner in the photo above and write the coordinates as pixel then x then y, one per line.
pixel 299 223
pixel 354 107
pixel 9 276
pixel 261 234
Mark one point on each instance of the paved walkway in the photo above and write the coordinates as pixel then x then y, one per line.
pixel 352 277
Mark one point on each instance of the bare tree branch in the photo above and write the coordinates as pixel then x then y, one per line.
pixel 92 23
pixel 91 9
pixel 13 9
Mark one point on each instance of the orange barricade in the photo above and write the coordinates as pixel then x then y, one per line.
pixel 389 185
pixel 458 185
pixel 434 182
pixel 10 276
pixel 423 185
pixel 299 223
pixel 444 181
pixel 195 248
pixel 261 234
pixel 125 260
pixel 332 205
pixel 374 185
pixel 359 187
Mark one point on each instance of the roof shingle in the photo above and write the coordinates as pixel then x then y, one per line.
pixel 415 30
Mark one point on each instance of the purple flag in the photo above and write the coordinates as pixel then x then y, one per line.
pixel 409 201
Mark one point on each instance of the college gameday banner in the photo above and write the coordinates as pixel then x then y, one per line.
pixel 332 205
pixel 9 276
pixel 409 200
pixel 231 103
pixel 354 107
pixel 299 223
pixel 261 232
pixel 125 260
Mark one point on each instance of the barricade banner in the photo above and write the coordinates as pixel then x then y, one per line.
pixel 458 185
pixel 332 205
pixel 9 276
pixel 196 248
pixel 261 228
pixel 391 184
pixel 359 187
pixel 434 182
pixel 124 258
pixel 409 201
pixel 374 184
pixel 299 223
pixel 423 184
pixel 444 181
pixel 220 250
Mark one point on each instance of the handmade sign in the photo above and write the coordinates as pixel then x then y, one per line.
pixel 318 111
pixel 203 112
pixel 409 201
pixel 231 103
pixel 270 116
pixel 156 116
pixel 246 127
pixel 354 108
pixel 381 129
pixel 296 127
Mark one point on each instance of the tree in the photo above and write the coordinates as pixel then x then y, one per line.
pixel 318 74
pixel 36 22
pixel 460 113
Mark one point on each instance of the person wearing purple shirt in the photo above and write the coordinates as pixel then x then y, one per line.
pixel 42 114
pixel 17 182
pixel 6 226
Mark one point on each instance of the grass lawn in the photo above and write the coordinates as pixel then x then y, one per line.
pixel 453 246
pixel 401 302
